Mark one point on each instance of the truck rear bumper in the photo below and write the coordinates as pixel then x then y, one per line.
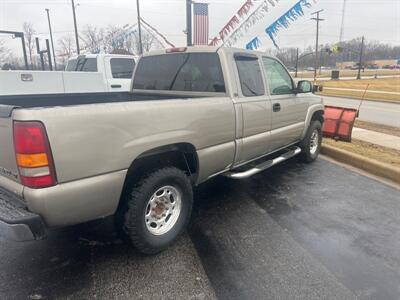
pixel 16 222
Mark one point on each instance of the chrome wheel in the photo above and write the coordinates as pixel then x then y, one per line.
pixel 314 142
pixel 163 210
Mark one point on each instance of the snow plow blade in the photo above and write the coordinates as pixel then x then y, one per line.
pixel 339 122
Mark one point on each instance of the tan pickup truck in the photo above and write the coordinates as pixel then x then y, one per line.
pixel 193 113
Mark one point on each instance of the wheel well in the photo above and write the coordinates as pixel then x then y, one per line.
pixel 318 115
pixel 182 156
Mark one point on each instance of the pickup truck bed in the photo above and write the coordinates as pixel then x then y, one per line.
pixel 49 100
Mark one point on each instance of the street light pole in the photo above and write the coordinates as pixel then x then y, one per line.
pixel 76 28
pixel 139 28
pixel 316 41
pixel 361 56
pixel 298 58
pixel 51 39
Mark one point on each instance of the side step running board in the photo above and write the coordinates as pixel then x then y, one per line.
pixel 264 165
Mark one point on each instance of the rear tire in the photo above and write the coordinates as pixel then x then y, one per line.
pixel 157 210
pixel 311 144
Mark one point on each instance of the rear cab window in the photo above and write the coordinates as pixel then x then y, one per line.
pixel 194 72
pixel 82 64
pixel 251 80
pixel 122 67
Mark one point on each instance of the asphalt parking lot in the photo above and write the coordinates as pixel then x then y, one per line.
pixel 297 231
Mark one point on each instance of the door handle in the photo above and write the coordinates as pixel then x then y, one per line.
pixel 276 107
pixel 115 86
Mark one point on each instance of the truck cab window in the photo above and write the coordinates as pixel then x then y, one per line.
pixel 279 80
pixel 122 67
pixel 71 66
pixel 194 72
pixel 82 64
pixel 251 80
pixel 87 65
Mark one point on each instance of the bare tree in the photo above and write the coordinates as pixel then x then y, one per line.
pixel 66 47
pixel 3 49
pixel 29 33
pixel 148 41
pixel 4 54
pixel 115 38
pixel 11 62
pixel 93 38
pixel 127 38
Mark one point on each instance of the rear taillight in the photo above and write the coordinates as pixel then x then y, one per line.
pixel 33 155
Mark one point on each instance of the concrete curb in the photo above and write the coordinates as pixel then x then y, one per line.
pixel 367 164
pixel 355 98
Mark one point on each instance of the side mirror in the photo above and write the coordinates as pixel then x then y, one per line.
pixel 304 86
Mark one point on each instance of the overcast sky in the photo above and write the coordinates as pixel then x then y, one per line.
pixel 375 19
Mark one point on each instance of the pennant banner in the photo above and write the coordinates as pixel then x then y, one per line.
pixel 228 27
pixel 244 10
pixel 233 22
pixel 284 21
pixel 253 44
pixel 258 14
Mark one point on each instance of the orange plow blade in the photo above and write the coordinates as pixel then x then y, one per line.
pixel 339 122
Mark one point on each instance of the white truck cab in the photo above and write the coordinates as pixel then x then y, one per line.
pixel 116 69
pixel 90 73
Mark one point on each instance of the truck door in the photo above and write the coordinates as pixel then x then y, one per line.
pixel 119 72
pixel 287 110
pixel 255 107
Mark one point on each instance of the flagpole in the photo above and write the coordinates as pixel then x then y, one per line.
pixel 189 22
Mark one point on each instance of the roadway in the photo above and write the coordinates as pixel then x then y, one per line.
pixel 385 113
pixel 297 231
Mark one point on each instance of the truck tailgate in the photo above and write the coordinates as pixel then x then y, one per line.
pixel 8 165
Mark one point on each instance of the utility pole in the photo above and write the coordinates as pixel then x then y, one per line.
pixel 189 22
pixel 139 28
pixel 316 41
pixel 297 62
pixel 51 39
pixel 342 25
pixel 76 28
pixel 320 62
pixel 361 56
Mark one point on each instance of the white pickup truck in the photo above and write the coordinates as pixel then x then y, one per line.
pixel 83 74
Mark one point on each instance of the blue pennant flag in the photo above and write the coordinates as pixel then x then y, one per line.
pixel 253 44
pixel 284 21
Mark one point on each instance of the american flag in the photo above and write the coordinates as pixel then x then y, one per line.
pixel 200 23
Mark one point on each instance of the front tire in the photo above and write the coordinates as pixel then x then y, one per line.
pixel 311 144
pixel 158 210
